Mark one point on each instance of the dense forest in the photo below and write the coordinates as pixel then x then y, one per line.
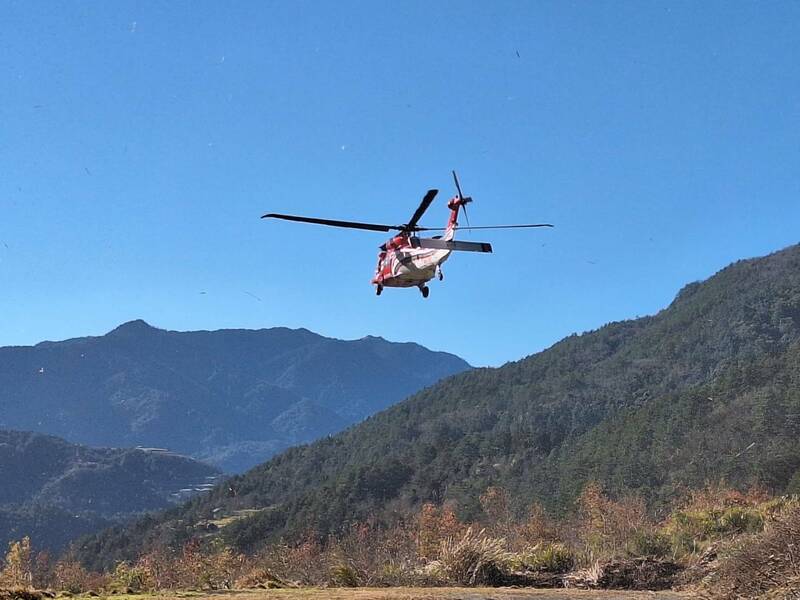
pixel 706 389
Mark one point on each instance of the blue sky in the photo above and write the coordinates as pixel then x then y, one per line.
pixel 141 141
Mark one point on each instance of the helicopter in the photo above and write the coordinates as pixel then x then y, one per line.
pixel 407 260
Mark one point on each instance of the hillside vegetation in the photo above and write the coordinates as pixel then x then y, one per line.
pixel 706 389
pixel 718 541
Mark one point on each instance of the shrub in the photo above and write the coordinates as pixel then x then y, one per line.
pixel 690 531
pixel 495 505
pixel 546 558
pixel 719 496
pixel 17 571
pixel 134 578
pixel 304 562
pixel 397 574
pixel 261 577
pixel 474 559
pixel 43 574
pixel 434 525
pixel 214 568
pixel 762 564
pixel 70 576
pixel 606 526
pixel 376 554
pixel 159 569
pixel 539 527
pixel 648 543
pixel 737 520
pixel 344 575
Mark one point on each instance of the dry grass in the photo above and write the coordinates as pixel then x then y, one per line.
pixel 762 565
pixel 410 593
pixel 474 559
pixel 606 543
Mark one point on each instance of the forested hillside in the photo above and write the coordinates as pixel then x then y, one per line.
pixel 708 388
pixel 53 491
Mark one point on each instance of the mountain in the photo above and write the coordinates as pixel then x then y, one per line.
pixel 54 491
pixel 231 397
pixel 708 388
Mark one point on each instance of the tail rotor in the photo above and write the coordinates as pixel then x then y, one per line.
pixel 463 200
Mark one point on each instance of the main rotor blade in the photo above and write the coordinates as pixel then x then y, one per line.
pixel 423 206
pixel 458 186
pixel 333 223
pixel 488 227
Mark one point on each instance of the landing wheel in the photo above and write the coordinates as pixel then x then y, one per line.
pixel 378 290
pixel 425 291
pixel 440 275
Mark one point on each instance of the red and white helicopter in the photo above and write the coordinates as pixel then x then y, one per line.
pixel 410 261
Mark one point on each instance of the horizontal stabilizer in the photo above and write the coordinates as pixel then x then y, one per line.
pixel 450 245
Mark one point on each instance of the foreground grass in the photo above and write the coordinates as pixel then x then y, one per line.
pixel 409 593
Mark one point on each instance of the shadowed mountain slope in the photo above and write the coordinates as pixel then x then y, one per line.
pixel 705 389
pixel 54 491
pixel 231 397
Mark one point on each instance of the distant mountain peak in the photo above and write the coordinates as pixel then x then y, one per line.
pixel 133 327
pixel 149 386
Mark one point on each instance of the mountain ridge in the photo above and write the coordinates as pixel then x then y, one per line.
pixel 211 394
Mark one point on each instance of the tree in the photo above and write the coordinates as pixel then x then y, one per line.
pixel 17 571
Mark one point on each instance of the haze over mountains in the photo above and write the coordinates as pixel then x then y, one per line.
pixel 230 397
pixel 707 389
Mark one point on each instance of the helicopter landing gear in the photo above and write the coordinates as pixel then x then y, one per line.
pixel 378 290
pixel 425 290
pixel 439 273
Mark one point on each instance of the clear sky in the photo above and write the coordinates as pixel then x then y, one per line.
pixel 141 141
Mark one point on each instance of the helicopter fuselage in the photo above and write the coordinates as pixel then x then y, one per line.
pixel 400 264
